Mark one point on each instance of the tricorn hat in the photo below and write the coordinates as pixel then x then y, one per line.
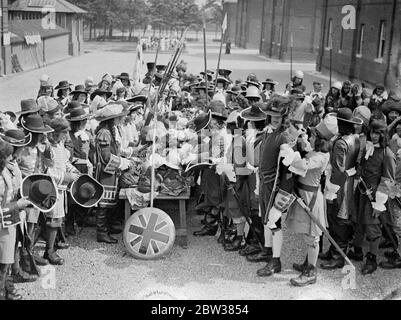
pixel 41 191
pixel 86 191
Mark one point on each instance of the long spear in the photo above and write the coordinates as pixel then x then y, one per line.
pixel 204 55
pixel 291 47
pixel 223 31
pixel 331 58
pixel 152 78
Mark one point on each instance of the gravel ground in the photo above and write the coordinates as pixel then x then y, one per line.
pixel 204 270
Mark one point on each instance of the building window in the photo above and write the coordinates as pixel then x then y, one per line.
pixel 360 40
pixel 329 39
pixel 382 40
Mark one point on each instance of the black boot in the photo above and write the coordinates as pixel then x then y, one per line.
pixel 53 258
pixel 101 224
pixel 223 231
pixel 264 255
pixel 23 277
pixel 250 249
pixel 337 262
pixel 273 266
pixel 356 254
pixel 307 277
pixel 326 256
pixel 207 230
pixel 393 261
pixel 235 245
pixel 300 267
pixel 370 265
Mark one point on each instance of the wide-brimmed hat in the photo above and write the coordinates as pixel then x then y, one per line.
pixel 89 83
pixel 270 81
pixel 363 113
pixel 28 106
pixel 63 85
pixel 110 111
pixel 53 107
pixel 235 90
pixel 337 85
pixel 124 76
pixel 59 124
pixel 161 67
pixel 346 115
pixel 71 106
pixel 222 79
pixel 138 98
pixel 389 106
pixel 41 191
pixel 253 113
pixel 46 103
pixel 77 114
pixel 278 107
pixel 297 94
pixel 80 88
pixel 34 123
pixel 253 92
pixel 86 191
pixel 16 137
pixel 218 110
pixel 202 121
pixel 299 74
pixel 224 72
pixel 99 92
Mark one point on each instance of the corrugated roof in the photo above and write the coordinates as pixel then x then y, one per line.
pixel 23 27
pixel 61 6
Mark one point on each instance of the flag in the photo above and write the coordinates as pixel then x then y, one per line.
pixel 224 25
pixel 139 64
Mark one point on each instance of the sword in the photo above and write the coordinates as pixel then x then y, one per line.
pixel 324 230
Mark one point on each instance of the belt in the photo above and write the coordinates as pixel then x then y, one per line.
pixel 307 188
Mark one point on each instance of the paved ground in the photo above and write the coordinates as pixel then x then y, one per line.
pixel 204 270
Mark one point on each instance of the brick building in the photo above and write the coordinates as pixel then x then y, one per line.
pixel 5 48
pixel 38 36
pixel 370 52
pixel 267 25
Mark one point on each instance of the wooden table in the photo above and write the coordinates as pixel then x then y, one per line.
pixel 181 231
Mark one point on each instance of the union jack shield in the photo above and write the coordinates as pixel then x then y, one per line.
pixel 149 234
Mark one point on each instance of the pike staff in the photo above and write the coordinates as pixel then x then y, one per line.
pixel 204 56
pixel 223 32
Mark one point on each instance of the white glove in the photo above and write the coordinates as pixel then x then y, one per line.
pixel 351 172
pixel 381 200
pixel 124 164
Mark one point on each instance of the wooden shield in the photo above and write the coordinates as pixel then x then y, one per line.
pixel 149 234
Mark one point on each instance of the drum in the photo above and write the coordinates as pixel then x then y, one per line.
pixel 149 234
pixel 283 200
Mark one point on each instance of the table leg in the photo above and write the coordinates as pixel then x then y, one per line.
pixel 182 231
pixel 127 210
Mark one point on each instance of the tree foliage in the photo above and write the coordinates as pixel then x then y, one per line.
pixel 128 14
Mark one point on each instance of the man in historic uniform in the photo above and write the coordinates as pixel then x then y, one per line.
pixel 343 161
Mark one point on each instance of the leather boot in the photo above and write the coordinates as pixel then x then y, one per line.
pixel 300 267
pixel 264 255
pixel 101 226
pixel 207 230
pixel 235 245
pixel 356 254
pixel 53 258
pixel 370 265
pixel 337 262
pixel 24 277
pixel 223 231
pixel 273 266
pixel 40 261
pixel 250 249
pixel 307 277
pixel 393 262
pixel 11 292
pixel 326 256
